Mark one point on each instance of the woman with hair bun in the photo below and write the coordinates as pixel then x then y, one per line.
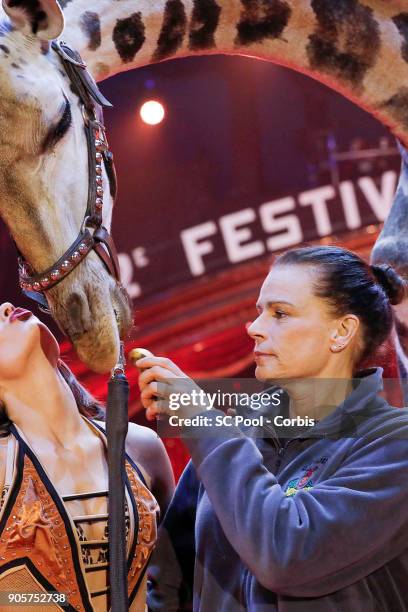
pixel 54 481
pixel 314 518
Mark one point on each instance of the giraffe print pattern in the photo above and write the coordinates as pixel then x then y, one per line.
pixel 401 21
pixel 397 106
pixel 344 40
pixel 173 30
pixel 341 43
pixel 204 22
pixel 353 24
pixel 90 24
pixel 261 20
pixel 129 36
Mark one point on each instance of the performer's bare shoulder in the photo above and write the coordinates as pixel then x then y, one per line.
pixel 146 449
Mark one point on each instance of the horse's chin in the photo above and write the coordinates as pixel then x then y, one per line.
pixel 95 313
pixel 97 349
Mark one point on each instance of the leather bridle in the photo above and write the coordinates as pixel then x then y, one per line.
pixel 93 236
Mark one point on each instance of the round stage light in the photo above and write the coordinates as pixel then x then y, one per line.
pixel 152 112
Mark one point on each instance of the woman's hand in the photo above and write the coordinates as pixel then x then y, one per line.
pixel 163 385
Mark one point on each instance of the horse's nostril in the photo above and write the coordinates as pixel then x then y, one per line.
pixel 78 311
pixel 122 308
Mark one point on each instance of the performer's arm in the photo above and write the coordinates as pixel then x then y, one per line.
pixel 148 451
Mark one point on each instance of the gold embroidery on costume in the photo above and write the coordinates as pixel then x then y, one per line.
pixel 88 555
pixel 32 528
pixel 148 509
pixel 45 541
pixel 35 530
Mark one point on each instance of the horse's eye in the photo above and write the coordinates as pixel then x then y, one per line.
pixel 64 123
pixel 56 132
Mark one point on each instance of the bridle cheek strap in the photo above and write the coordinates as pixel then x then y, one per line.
pixel 105 248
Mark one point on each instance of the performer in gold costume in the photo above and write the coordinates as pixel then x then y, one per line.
pixel 54 479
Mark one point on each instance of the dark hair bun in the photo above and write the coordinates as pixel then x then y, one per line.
pixel 394 286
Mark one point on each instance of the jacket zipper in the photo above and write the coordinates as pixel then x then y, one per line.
pixel 246 572
pixel 281 452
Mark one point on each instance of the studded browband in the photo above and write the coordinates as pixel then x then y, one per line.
pixel 35 284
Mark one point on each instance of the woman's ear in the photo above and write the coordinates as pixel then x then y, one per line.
pixel 41 18
pixel 345 332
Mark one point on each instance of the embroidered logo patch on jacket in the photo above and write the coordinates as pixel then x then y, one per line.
pixel 305 481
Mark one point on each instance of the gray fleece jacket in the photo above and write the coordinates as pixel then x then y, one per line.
pixel 317 523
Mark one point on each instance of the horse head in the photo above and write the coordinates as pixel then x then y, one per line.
pixel 44 179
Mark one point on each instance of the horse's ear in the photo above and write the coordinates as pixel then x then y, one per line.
pixel 43 18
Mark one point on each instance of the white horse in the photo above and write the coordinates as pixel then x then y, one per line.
pixel 359 48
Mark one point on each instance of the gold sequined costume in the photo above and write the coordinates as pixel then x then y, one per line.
pixel 43 547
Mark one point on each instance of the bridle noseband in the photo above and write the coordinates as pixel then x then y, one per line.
pixel 99 240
